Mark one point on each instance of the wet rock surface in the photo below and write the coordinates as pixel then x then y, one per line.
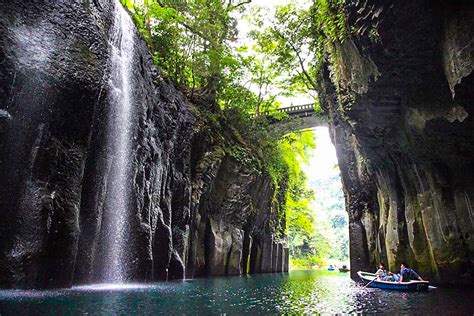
pixel 404 135
pixel 193 208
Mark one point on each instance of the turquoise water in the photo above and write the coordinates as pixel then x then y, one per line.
pixel 298 292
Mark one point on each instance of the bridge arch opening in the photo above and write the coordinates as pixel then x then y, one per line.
pixel 325 241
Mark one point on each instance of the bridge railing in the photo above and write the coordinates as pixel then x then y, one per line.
pixel 295 109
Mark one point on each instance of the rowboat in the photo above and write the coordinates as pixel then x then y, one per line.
pixel 411 286
pixel 344 270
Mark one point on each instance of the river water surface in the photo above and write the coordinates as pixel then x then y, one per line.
pixel 299 292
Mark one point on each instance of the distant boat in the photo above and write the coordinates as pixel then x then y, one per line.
pixel 411 286
pixel 344 269
pixel 331 268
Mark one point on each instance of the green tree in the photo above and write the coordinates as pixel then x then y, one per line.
pixel 194 43
pixel 190 39
pixel 287 41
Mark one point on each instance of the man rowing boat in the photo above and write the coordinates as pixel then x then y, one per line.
pixel 407 274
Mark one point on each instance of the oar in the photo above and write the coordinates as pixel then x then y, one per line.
pixel 370 282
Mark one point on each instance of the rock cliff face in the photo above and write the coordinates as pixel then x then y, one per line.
pixel 237 214
pixel 399 93
pixel 194 208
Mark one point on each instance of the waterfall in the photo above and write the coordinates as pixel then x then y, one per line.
pixel 119 138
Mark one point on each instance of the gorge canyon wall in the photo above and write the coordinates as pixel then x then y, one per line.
pixel 193 208
pixel 398 91
pixel 399 94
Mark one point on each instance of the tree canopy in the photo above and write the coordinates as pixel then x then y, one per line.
pixel 196 44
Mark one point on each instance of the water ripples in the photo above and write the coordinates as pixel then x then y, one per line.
pixel 300 292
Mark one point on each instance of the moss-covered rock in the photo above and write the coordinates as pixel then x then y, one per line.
pixel 400 107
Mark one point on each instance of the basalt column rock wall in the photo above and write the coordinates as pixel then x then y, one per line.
pixel 228 228
pixel 238 225
pixel 53 60
pixel 399 93
pixel 189 205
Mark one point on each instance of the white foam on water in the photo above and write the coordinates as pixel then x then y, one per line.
pixel 113 287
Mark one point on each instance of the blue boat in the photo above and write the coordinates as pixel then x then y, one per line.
pixel 411 286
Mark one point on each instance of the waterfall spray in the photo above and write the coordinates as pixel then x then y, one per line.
pixel 119 137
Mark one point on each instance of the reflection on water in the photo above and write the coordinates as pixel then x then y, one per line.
pixel 299 292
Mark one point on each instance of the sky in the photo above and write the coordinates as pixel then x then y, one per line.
pixel 323 163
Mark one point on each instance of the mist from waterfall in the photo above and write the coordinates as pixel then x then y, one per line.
pixel 119 138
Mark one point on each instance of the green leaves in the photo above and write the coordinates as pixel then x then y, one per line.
pixel 162 14
pixel 189 39
pixel 285 39
pixel 329 20
pixel 194 43
pixel 284 160
pixel 128 4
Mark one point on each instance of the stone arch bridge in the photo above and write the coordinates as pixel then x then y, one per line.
pixel 299 118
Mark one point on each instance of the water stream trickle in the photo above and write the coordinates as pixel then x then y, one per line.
pixel 119 136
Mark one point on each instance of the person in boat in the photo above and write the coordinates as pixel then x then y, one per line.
pixel 385 275
pixel 382 273
pixel 407 274
pixel 392 277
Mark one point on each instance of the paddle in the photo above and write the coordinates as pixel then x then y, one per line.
pixel 370 282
